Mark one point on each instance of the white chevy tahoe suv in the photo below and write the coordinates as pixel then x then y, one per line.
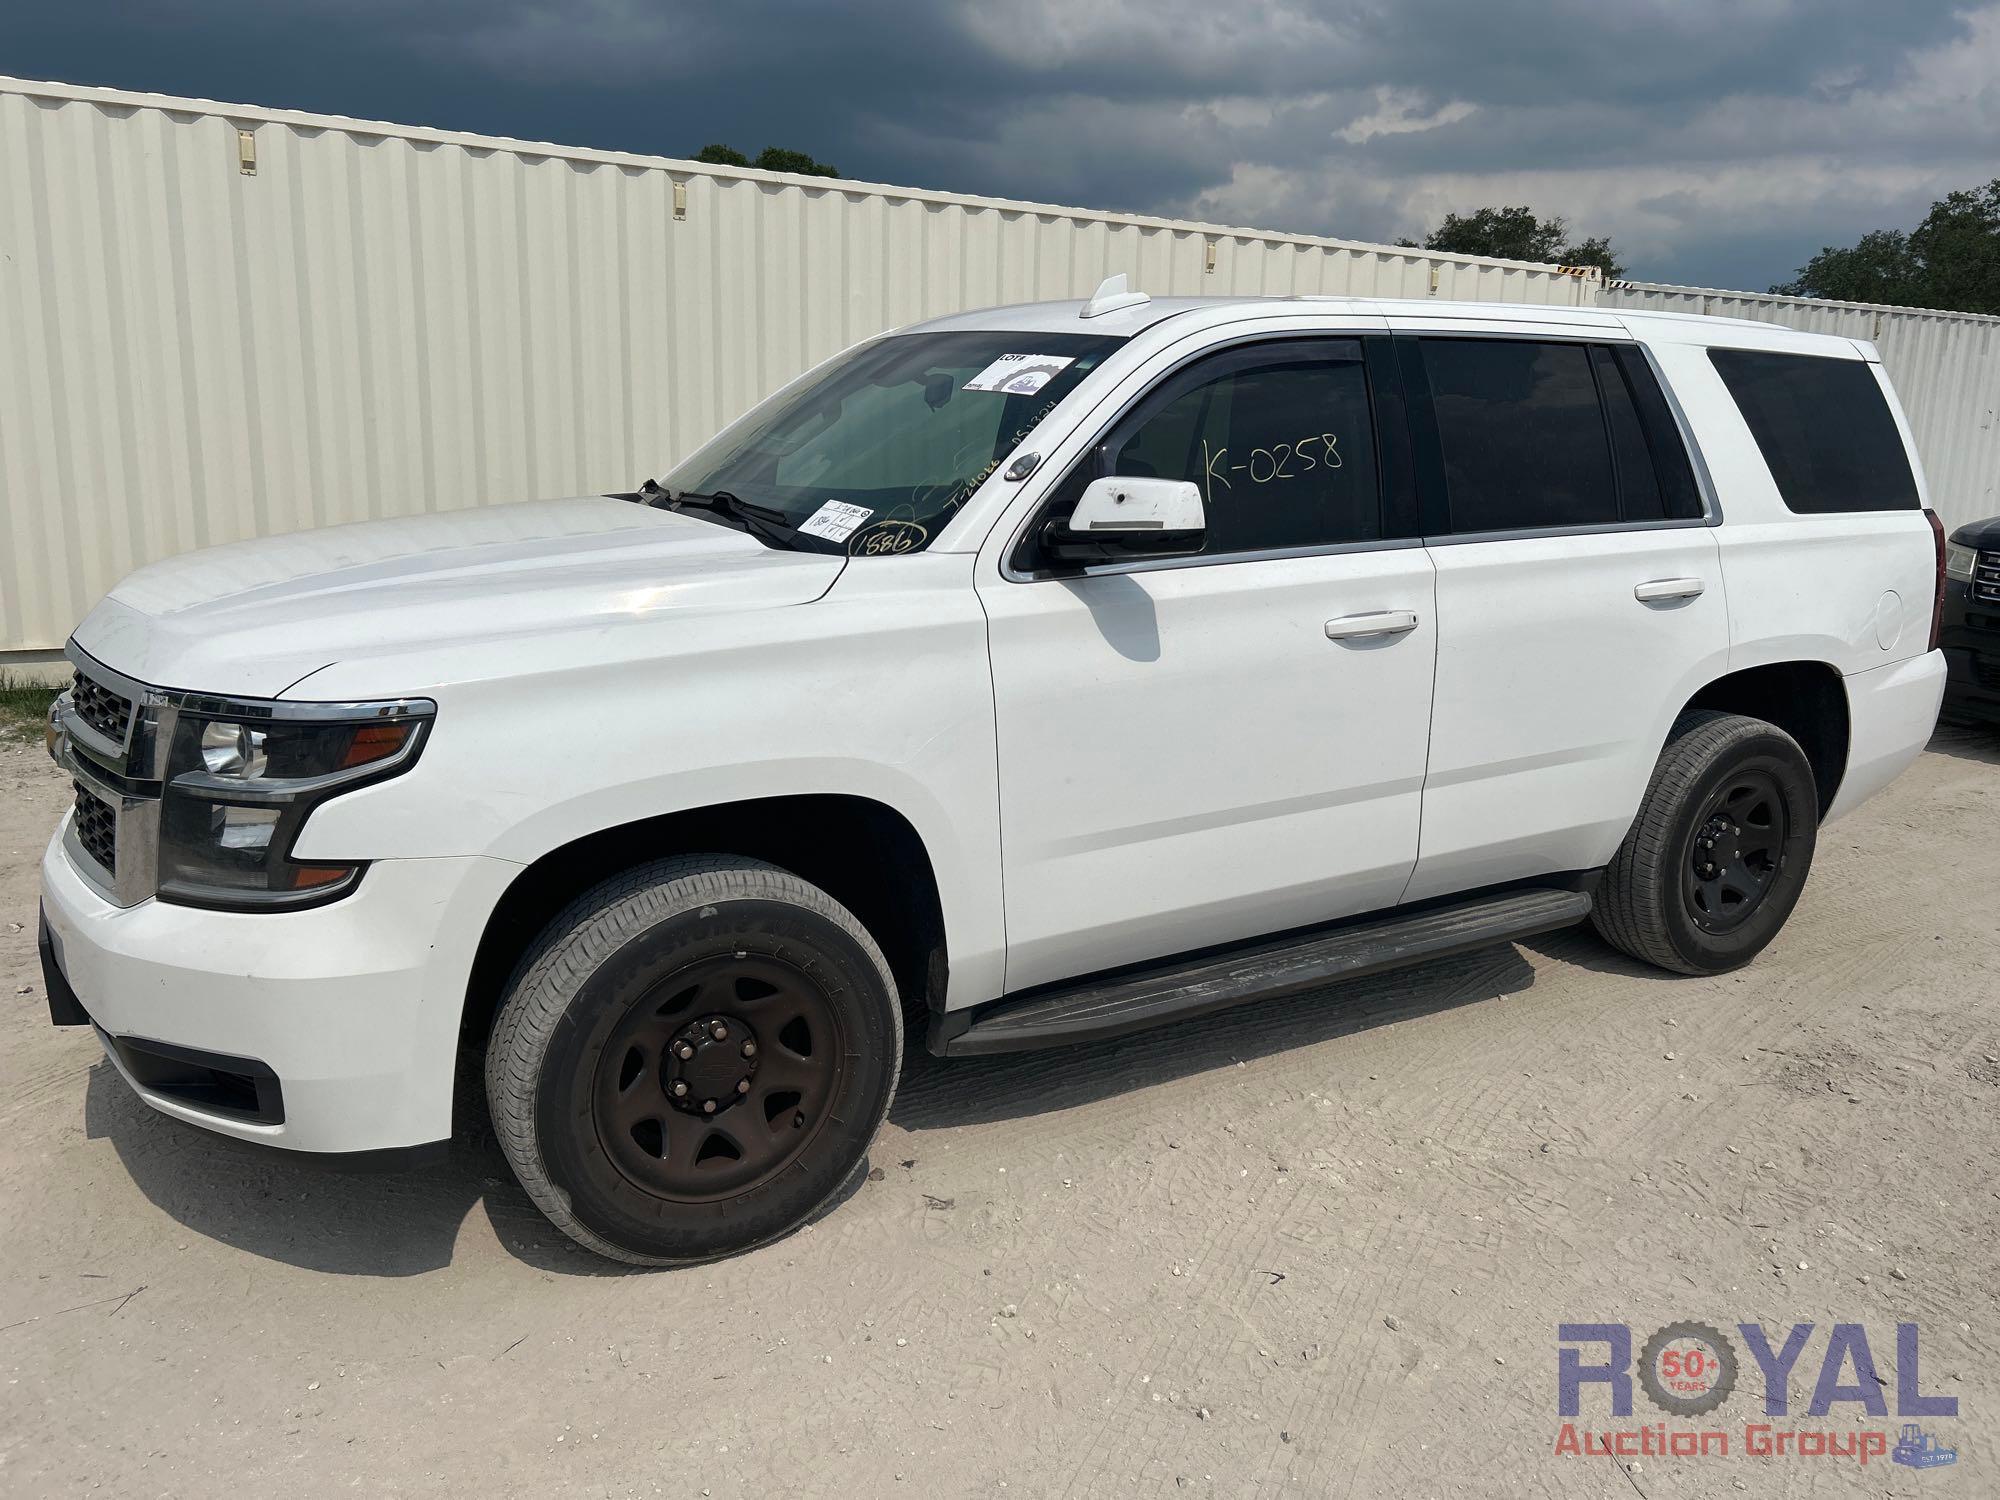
pixel 1047 673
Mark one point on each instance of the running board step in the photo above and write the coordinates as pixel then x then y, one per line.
pixel 1101 1008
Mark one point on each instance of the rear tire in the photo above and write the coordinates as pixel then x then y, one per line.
pixel 1720 851
pixel 693 1059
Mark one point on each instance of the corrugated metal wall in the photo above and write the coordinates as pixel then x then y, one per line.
pixel 385 320
pixel 1946 369
pixel 382 320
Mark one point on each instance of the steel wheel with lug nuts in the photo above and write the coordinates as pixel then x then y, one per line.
pixel 1738 846
pixel 693 1059
pixel 717 1078
pixel 1719 853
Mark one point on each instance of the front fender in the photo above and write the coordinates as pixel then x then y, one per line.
pixel 881 692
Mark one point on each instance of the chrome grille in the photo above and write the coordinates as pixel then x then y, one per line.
pixel 112 738
pixel 97 828
pixel 103 710
pixel 1986 577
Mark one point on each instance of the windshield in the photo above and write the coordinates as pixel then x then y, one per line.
pixel 879 450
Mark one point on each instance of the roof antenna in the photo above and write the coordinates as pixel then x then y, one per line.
pixel 1111 295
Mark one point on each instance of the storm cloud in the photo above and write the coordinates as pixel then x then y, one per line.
pixel 1717 143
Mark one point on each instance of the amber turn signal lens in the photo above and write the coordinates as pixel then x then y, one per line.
pixel 311 877
pixel 373 742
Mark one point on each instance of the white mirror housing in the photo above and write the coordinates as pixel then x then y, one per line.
pixel 1123 519
pixel 1139 505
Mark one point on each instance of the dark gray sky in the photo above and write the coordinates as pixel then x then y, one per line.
pixel 1719 142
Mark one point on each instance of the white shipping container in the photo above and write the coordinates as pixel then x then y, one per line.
pixel 222 321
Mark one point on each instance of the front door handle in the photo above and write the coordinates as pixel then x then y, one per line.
pixel 1379 622
pixel 1654 590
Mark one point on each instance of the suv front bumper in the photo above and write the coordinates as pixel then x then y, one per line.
pixel 333 1029
pixel 1971 641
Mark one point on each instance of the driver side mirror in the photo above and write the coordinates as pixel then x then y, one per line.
pixel 1118 520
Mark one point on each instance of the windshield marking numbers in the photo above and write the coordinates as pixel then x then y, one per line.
pixel 886 538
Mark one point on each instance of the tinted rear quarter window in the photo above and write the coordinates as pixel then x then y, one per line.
pixel 1824 429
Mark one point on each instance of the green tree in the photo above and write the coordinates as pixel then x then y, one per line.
pixel 778 159
pixel 1595 251
pixel 1959 246
pixel 1877 268
pixel 1950 261
pixel 1518 233
pixel 770 159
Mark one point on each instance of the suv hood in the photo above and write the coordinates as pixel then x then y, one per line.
pixel 1984 535
pixel 255 617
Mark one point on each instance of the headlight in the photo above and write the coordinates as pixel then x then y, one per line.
pixel 241 781
pixel 1959 561
pixel 234 750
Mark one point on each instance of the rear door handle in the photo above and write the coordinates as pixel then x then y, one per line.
pixel 1668 588
pixel 1379 622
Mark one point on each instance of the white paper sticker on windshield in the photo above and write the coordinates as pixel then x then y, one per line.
pixel 836 520
pixel 1020 374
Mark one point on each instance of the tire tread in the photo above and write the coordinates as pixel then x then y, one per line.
pixel 580 938
pixel 1629 910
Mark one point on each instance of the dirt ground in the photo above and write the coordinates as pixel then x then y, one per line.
pixel 1320 1247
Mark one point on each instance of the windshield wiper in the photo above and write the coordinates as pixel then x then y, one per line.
pixel 764 521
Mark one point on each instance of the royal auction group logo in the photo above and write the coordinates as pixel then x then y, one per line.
pixel 1690 1369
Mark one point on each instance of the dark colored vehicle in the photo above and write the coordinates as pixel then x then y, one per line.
pixel 1971 632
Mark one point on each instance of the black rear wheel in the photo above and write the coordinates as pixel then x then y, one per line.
pixel 1739 850
pixel 693 1059
pixel 1719 853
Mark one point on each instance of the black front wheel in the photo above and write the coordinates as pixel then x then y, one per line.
pixel 1719 853
pixel 693 1059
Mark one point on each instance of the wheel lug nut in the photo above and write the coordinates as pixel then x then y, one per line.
pixel 749 1049
pixel 742 1085
pixel 680 1088
pixel 708 1106
pixel 719 1032
pixel 685 1050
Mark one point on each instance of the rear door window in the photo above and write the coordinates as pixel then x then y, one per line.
pixel 1673 471
pixel 1522 434
pixel 1639 497
pixel 1824 429
pixel 1655 480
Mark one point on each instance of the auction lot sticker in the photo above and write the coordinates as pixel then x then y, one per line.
pixel 1020 374
pixel 836 520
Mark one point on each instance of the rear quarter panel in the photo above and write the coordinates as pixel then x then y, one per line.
pixel 1852 590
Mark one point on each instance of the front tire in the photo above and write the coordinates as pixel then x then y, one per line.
pixel 1719 853
pixel 693 1059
